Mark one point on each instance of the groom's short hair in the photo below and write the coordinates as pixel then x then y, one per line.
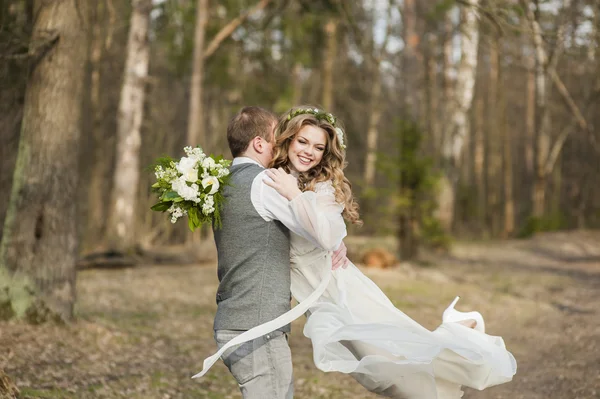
pixel 248 123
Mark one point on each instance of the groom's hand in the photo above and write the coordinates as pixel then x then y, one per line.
pixel 339 258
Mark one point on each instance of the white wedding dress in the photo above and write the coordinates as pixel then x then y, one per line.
pixel 355 328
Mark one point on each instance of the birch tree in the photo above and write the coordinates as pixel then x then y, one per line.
pixel 39 245
pixel 376 55
pixel 329 57
pixel 195 119
pixel 122 221
pixel 459 120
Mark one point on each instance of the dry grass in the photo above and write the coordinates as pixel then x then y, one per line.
pixel 141 333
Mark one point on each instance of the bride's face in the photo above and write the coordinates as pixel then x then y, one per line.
pixel 307 148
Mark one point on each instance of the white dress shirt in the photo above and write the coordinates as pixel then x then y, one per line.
pixel 271 205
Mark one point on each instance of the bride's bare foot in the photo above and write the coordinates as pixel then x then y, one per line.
pixel 471 323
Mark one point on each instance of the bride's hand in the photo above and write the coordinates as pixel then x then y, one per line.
pixel 284 183
pixel 339 258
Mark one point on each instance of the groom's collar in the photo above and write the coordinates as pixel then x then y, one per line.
pixel 243 160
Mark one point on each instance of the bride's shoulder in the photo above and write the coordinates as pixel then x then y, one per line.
pixel 324 187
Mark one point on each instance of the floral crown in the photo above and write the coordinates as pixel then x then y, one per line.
pixel 321 115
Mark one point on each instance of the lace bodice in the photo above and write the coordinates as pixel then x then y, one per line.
pixel 321 216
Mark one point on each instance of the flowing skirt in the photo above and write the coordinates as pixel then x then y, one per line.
pixel 355 329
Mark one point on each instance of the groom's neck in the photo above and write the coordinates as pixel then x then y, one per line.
pixel 254 157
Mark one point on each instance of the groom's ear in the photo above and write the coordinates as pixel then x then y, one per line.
pixel 258 144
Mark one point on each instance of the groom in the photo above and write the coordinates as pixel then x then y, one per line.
pixel 254 261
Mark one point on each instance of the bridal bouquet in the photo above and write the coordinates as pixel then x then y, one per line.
pixel 191 187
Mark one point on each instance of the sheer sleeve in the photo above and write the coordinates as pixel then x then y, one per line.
pixel 318 213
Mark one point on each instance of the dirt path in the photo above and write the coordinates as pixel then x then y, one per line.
pixel 142 332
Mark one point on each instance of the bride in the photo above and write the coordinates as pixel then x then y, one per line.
pixel 353 326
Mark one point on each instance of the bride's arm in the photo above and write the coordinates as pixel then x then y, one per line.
pixel 320 215
pixel 317 213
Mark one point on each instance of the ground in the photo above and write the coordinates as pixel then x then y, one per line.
pixel 141 333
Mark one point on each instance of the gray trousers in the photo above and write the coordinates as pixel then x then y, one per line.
pixel 262 367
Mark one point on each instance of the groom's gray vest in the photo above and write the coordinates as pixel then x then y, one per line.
pixel 254 259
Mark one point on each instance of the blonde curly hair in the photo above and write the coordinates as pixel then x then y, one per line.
pixel 331 166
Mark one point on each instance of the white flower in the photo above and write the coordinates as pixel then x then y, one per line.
pixel 222 172
pixel 176 212
pixel 191 175
pixel 194 153
pixel 185 164
pixel 340 136
pixel 188 193
pixel 211 181
pixel 209 205
pixel 188 168
pixel 208 163
pixel 159 172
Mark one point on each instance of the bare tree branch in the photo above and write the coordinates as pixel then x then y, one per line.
pixel 228 29
pixel 36 49
pixel 485 12
pixel 564 92
pixel 557 147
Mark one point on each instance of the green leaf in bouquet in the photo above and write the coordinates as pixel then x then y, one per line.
pixel 193 214
pixel 193 218
pixel 216 218
pixel 191 224
pixel 161 206
pixel 170 196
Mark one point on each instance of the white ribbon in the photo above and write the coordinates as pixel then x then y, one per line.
pixel 274 324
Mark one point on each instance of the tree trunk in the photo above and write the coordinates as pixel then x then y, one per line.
pixel 375 109
pixel 509 203
pixel 39 247
pixel 372 131
pixel 542 125
pixel 297 84
pixel 465 83
pixel 409 58
pixel 432 101
pixel 530 116
pixel 17 25
pixel 99 162
pixel 122 220
pixel 328 62
pixel 544 68
pixel 480 161
pixel 410 71
pixel 447 81
pixel 196 127
pixel 495 155
pixel 459 122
